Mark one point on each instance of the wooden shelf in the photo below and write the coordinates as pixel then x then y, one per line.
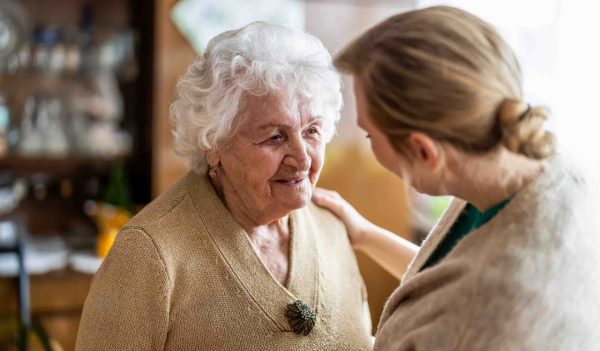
pixel 56 299
pixel 65 166
pixel 52 292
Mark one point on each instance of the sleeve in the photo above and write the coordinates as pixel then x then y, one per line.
pixel 127 307
pixel 424 313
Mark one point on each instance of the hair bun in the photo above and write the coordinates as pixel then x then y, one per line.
pixel 523 129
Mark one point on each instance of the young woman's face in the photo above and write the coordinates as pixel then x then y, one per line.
pixel 380 144
pixel 422 176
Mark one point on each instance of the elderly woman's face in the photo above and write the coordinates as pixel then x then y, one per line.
pixel 272 163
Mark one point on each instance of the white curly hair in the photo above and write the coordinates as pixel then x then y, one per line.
pixel 255 60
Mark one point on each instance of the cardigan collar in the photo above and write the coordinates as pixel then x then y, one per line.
pixel 246 267
pixel 434 238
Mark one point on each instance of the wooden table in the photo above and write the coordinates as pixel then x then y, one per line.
pixel 57 300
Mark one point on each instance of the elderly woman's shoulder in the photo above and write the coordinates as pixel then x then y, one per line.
pixel 160 211
pixel 326 221
pixel 322 214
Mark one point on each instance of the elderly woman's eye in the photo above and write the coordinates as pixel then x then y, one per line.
pixel 276 137
pixel 312 131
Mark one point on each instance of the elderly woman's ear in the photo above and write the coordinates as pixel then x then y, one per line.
pixel 212 158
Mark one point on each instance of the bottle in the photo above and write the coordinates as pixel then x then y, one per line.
pixel 114 212
pixel 4 125
pixel 118 191
pixel 30 142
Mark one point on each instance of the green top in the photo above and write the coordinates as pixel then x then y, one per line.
pixel 469 220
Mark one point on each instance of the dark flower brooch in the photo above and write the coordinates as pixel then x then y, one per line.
pixel 301 317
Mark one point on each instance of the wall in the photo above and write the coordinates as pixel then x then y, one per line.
pixel 172 56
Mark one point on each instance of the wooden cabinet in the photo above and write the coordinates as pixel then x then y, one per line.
pixel 57 299
pixel 56 206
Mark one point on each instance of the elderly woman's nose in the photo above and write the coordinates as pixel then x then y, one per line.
pixel 298 155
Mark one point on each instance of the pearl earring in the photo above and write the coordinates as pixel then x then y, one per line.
pixel 212 172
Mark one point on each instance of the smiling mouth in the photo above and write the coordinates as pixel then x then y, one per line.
pixel 290 182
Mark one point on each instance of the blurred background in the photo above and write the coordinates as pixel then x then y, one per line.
pixel 85 89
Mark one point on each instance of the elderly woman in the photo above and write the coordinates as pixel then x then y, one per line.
pixel 234 256
pixel 514 262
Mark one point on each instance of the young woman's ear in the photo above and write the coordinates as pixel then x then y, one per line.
pixel 425 150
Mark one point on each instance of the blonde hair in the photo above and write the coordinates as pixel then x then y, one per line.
pixel 450 75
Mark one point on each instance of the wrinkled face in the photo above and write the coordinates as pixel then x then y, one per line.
pixel 273 161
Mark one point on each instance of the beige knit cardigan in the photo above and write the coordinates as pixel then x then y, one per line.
pixel 527 280
pixel 183 275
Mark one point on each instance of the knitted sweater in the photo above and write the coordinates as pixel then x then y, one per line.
pixel 183 275
pixel 527 280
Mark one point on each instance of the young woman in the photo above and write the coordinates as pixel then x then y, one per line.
pixel 514 262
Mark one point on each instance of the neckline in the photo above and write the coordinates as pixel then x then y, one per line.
pixel 479 218
pixel 439 232
pixel 468 221
pixel 246 266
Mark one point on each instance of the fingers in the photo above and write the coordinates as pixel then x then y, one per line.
pixel 330 200
pixel 324 196
pixel 325 193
